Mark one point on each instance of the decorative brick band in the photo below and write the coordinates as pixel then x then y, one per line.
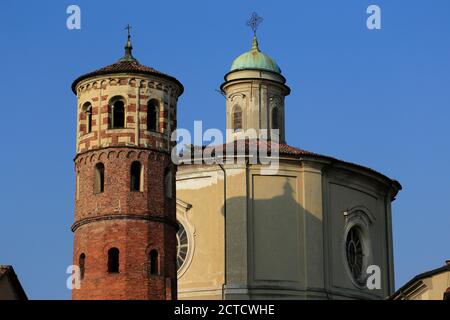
pixel 162 151
pixel 163 220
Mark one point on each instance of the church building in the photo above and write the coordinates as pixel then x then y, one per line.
pixel 309 231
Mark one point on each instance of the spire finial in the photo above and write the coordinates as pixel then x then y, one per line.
pixel 128 47
pixel 128 28
pixel 253 23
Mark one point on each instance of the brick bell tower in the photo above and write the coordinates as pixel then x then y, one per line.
pixel 125 208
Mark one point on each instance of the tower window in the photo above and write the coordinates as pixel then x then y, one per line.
pixel 87 109
pixel 81 262
pixel 89 121
pixel 136 177
pixel 168 183
pixel 237 118
pixel 77 186
pixel 154 263
pixel 153 115
pixel 275 118
pixel 113 260
pixel 117 114
pixel 99 179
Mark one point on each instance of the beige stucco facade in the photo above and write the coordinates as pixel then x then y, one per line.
pixel 260 236
pixel 202 275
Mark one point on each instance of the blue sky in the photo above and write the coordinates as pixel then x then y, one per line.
pixel 378 98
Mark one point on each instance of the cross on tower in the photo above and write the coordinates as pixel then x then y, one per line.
pixel 128 28
pixel 254 21
pixel 128 47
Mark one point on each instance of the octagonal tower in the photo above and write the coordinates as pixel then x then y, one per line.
pixel 255 90
pixel 125 225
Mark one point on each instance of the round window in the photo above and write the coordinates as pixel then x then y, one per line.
pixel 355 253
pixel 182 246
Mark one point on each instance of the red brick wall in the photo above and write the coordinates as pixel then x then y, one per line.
pixel 133 222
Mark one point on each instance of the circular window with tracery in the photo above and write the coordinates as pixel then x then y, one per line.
pixel 182 246
pixel 355 253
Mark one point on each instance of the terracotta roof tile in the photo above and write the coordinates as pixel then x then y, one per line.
pixel 283 149
pixel 287 150
pixel 125 67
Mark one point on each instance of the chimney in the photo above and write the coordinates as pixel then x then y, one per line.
pixel 447 263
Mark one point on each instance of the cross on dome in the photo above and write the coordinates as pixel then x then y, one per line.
pixel 254 22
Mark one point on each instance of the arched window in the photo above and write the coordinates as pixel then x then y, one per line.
pixel 136 177
pixel 153 115
pixel 154 263
pixel 168 183
pixel 237 118
pixel 182 246
pixel 117 116
pixel 355 253
pixel 113 260
pixel 89 120
pixel 275 118
pixel 99 178
pixel 77 186
pixel 87 109
pixel 81 262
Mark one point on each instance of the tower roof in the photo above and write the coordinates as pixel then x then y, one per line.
pixel 7 271
pixel 245 147
pixel 126 64
pixel 255 59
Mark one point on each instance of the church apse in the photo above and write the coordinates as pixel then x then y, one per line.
pixel 282 236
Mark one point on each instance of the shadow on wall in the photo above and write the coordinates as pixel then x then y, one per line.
pixel 276 247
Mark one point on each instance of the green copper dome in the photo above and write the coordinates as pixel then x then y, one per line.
pixel 255 59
